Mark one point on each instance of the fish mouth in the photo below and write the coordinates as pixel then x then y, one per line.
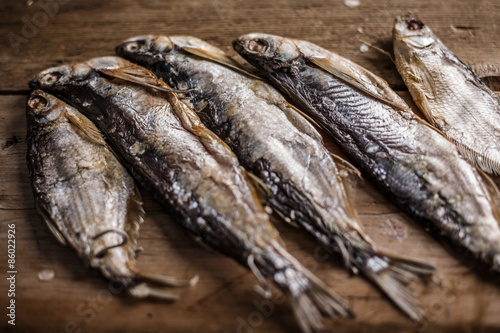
pixel 48 77
pixel 37 100
pixel 237 45
pixel 413 23
pixel 251 44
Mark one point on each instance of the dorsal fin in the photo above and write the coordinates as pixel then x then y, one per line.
pixel 141 76
pixel 219 58
pixel 360 78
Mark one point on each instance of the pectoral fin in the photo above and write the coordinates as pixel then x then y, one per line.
pixel 219 58
pixel 85 126
pixel 302 124
pixel 51 225
pixel 141 76
pixel 360 78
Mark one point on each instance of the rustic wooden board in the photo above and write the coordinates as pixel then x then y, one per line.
pixel 79 300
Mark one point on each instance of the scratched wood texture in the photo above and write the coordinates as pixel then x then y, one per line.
pixel 462 299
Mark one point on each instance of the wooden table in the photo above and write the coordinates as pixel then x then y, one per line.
pixel 79 300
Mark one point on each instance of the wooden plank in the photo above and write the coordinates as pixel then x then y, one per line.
pixel 79 300
pixel 81 30
pixel 223 301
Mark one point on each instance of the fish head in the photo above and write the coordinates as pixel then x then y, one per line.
pixel 56 78
pixel 267 51
pixel 413 32
pixel 42 107
pixel 145 48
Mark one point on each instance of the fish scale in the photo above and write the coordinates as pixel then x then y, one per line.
pixel 192 173
pixel 449 93
pixel 442 188
pixel 85 196
pixel 273 141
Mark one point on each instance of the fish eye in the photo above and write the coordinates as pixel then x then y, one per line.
pixel 50 78
pixel 414 24
pixel 132 47
pixel 257 46
pixel 37 102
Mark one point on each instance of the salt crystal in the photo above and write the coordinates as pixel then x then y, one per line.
pixel 46 275
pixel 351 3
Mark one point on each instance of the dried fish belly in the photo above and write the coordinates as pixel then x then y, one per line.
pixel 449 93
pixel 274 142
pixel 420 169
pixel 86 197
pixel 191 172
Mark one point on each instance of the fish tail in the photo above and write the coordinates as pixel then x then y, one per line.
pixel 393 275
pixel 309 297
pixel 116 265
pixel 144 288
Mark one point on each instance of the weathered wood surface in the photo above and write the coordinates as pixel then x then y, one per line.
pixel 79 300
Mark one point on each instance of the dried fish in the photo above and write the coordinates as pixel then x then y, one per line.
pixel 274 142
pixel 450 94
pixel 191 172
pixel 84 194
pixel 415 165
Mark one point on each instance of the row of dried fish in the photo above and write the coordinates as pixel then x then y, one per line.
pixel 190 169
pixel 197 178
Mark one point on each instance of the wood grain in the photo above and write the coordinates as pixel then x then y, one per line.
pixel 79 300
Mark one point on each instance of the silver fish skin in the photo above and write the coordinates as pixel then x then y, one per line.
pixel 85 195
pixel 411 162
pixel 191 172
pixel 274 142
pixel 450 94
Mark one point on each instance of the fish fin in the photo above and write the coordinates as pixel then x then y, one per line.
pixel 219 58
pixel 141 76
pixel 360 78
pixel 393 277
pixel 430 126
pixel 169 281
pixel 376 48
pixel 85 126
pixel 494 192
pixel 302 124
pixel 192 123
pixel 51 225
pixel 203 244
pixel 422 76
pixel 287 220
pixel 346 165
pixel 143 290
pixel 489 74
pixel 485 70
pixel 488 162
pixel 263 289
pixel 316 300
pixel 135 216
pixel 259 184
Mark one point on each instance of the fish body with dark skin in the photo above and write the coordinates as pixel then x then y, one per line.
pixel 276 144
pixel 85 195
pixel 451 96
pixel 191 172
pixel 416 166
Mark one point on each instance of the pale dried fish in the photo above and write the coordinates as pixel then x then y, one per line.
pixel 192 173
pixel 86 197
pixel 449 93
